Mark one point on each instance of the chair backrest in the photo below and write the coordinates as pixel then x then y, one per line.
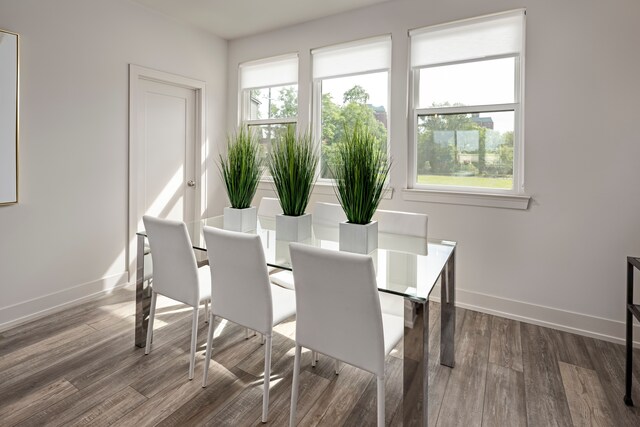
pixel 240 289
pixel 175 271
pixel 337 306
pixel 269 206
pixel 404 223
pixel 328 214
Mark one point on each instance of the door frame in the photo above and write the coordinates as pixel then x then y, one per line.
pixel 137 73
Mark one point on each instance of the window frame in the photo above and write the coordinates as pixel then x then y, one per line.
pixel 518 130
pixel 246 108
pixel 316 101
pixel 244 100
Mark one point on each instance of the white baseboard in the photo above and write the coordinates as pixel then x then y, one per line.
pixel 45 305
pixel 577 323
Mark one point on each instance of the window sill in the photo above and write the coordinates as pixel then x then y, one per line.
pixel 322 188
pixel 506 201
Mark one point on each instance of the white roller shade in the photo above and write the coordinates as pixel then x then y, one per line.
pixel 352 58
pixel 499 34
pixel 277 71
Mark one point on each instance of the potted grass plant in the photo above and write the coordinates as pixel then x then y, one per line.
pixel 293 165
pixel 241 169
pixel 360 169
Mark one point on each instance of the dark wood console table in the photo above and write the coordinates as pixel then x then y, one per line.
pixel 633 310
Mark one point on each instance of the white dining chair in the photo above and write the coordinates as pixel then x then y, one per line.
pixel 338 290
pixel 176 274
pixel 328 213
pixel 404 224
pixel 269 207
pixel 243 293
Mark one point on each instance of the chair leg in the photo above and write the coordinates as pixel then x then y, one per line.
pixel 294 386
pixel 267 379
pixel 206 311
pixel 314 358
pixel 207 358
pixel 381 401
pixel 336 365
pixel 152 315
pixel 194 340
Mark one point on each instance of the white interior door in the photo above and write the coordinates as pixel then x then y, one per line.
pixel 166 145
pixel 166 132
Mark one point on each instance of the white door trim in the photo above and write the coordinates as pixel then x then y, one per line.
pixel 137 73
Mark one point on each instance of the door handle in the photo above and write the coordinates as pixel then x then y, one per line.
pixel 191 183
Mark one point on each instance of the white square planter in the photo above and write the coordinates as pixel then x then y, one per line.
pixel 240 219
pixel 359 238
pixel 293 228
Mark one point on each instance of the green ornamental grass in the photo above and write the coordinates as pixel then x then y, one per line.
pixel 242 168
pixel 292 164
pixel 360 170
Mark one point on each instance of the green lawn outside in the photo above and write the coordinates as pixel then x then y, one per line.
pixel 466 181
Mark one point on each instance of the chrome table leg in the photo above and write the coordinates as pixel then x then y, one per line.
pixel 143 297
pixel 415 363
pixel 448 313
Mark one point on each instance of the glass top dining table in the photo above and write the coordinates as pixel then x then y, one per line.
pixel 407 266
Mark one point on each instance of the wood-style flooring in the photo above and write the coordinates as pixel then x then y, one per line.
pixel 80 367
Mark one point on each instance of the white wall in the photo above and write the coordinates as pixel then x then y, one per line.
pixel 66 238
pixel 562 261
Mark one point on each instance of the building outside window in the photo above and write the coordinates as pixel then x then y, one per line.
pixel 350 84
pixel 467 89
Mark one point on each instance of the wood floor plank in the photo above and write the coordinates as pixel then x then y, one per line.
pixel 54 340
pixel 106 316
pixel 571 349
pixel 609 363
pixel 45 370
pixel 464 397
pixel 231 347
pixel 38 399
pixel 42 328
pixel 14 362
pixel 504 402
pixel 248 405
pixel 334 404
pixel 365 410
pixel 156 409
pixel 254 363
pixel 113 408
pixel 57 355
pixel 70 408
pixel 120 353
pixel 506 347
pixel 587 402
pixel 218 394
pixel 280 405
pixel 178 353
pixel 546 402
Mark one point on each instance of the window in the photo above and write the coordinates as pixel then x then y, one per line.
pixel 467 81
pixel 269 96
pixel 350 84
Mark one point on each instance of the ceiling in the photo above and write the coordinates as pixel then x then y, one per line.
pixel 237 18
